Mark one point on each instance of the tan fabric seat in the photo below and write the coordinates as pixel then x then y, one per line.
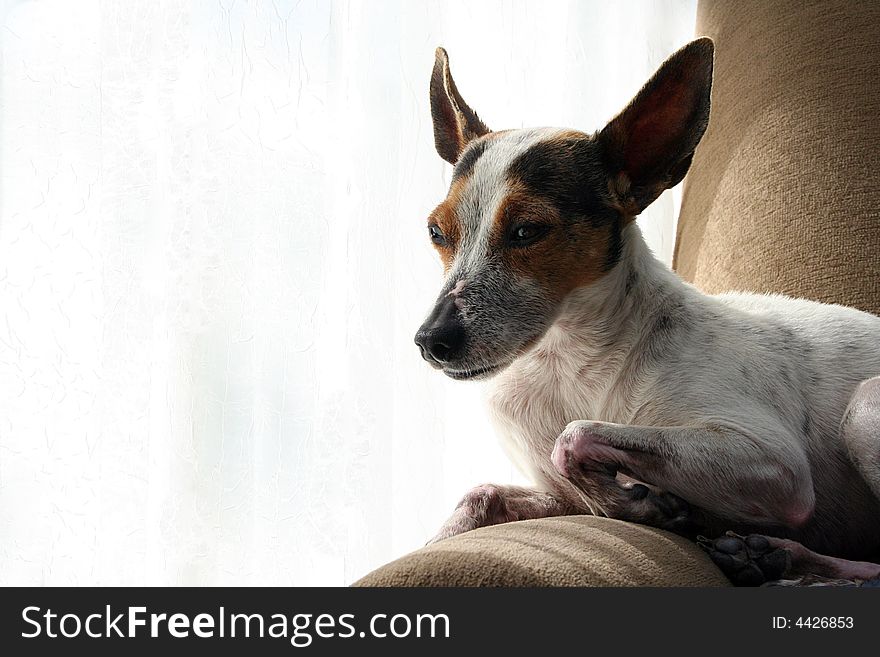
pixel 567 551
pixel 782 197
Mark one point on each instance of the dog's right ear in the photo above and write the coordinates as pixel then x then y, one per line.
pixel 455 124
pixel 649 146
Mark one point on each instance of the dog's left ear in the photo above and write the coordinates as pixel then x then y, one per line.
pixel 649 146
pixel 455 124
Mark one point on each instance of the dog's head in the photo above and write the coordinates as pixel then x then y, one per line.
pixel 533 215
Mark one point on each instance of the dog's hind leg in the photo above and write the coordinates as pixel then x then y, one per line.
pixel 762 559
pixel 860 431
pixel 756 560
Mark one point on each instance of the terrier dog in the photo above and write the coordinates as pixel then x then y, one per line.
pixel 622 390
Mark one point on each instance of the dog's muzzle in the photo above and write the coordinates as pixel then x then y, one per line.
pixel 441 339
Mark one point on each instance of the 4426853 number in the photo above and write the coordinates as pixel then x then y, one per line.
pixel 824 622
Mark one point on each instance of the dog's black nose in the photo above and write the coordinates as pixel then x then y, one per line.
pixel 442 343
pixel 441 338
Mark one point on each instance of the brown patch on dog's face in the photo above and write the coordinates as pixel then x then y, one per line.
pixel 559 185
pixel 445 217
pixel 569 254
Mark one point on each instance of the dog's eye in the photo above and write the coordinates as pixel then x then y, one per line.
pixel 437 235
pixel 526 234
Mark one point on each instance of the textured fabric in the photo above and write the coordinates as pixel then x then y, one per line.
pixel 782 195
pixel 567 551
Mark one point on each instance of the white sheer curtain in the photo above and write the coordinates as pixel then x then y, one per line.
pixel 213 259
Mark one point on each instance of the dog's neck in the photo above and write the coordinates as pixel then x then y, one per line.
pixel 590 362
pixel 601 326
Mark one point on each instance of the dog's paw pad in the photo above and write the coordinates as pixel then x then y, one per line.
pixel 663 510
pixel 758 543
pixel 639 492
pixel 749 561
pixel 774 563
pixel 728 545
pixel 750 575
pixel 674 507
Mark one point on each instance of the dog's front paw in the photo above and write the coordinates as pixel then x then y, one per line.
pixel 480 507
pixel 581 449
pixel 582 455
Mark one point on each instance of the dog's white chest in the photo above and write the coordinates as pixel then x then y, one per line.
pixel 531 404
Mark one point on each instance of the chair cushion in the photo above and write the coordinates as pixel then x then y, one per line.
pixel 782 195
pixel 565 551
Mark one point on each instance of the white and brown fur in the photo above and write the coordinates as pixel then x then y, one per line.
pixel 756 413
